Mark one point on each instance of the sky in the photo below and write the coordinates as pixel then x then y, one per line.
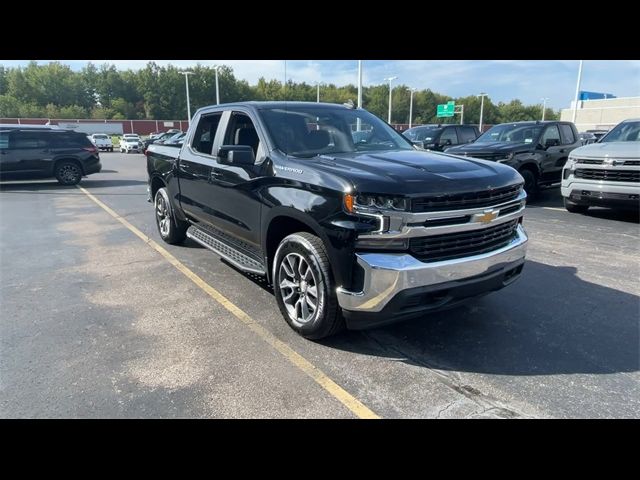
pixel 503 80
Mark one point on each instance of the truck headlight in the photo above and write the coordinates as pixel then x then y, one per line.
pixel 505 158
pixel 380 202
pixel 571 163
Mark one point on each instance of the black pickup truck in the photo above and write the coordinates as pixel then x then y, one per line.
pixel 538 150
pixel 348 228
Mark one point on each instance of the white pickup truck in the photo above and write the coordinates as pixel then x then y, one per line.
pixel 102 141
pixel 606 173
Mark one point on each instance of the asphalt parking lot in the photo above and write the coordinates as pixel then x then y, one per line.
pixel 96 323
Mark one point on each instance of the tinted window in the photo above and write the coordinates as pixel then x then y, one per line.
pixel 205 133
pixel 624 132
pixel 551 133
pixel 4 140
pixel 101 137
pixel 307 131
pixel 448 134
pixel 511 132
pixel 567 134
pixel 421 133
pixel 69 140
pixel 467 134
pixel 28 140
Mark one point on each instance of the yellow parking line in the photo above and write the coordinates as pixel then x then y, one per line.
pixel 352 403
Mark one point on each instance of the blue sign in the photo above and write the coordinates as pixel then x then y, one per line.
pixel 594 95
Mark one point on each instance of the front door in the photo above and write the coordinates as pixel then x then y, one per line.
pixel 554 153
pixel 234 192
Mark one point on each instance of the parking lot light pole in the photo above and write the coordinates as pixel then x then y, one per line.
pixel 317 92
pixel 389 80
pixel 544 107
pixel 481 95
pixel 217 86
pixel 575 100
pixel 412 90
pixel 358 121
pixel 186 80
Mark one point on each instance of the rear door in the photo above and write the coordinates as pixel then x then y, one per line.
pixel 195 167
pixel 28 152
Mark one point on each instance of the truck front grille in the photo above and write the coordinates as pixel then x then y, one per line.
pixel 464 244
pixel 609 175
pixel 465 200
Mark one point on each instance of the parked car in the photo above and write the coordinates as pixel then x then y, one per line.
pixel 538 150
pixel 130 143
pixel 586 138
pixel 159 138
pixel 102 141
pixel 598 133
pixel 439 137
pixel 367 232
pixel 606 173
pixel 43 152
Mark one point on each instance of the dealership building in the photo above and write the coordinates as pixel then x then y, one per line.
pixel 601 113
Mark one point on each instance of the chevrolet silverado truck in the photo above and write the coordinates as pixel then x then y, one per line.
pixel 356 233
pixel 538 150
pixel 605 174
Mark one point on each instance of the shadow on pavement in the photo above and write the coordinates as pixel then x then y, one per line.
pixel 53 187
pixel 549 322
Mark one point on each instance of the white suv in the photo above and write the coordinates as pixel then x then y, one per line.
pixel 102 141
pixel 130 143
pixel 606 173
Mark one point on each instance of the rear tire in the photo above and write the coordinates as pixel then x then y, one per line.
pixel 68 172
pixel 530 183
pixel 574 207
pixel 171 229
pixel 304 287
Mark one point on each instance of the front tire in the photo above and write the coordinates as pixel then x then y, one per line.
pixel 574 207
pixel 530 183
pixel 171 230
pixel 304 287
pixel 68 173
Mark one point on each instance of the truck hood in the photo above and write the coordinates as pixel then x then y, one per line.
pixel 608 149
pixel 408 172
pixel 490 147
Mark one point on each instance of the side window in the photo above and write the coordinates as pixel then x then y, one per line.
pixel 68 140
pixel 241 131
pixel 28 140
pixel 567 134
pixel 466 134
pixel 206 133
pixel 4 140
pixel 551 133
pixel 449 134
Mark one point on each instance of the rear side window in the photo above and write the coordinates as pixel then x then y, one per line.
pixel 28 140
pixel 69 140
pixel 567 134
pixel 206 133
pixel 449 134
pixel 466 134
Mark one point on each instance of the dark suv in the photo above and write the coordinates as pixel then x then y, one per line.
pixel 44 152
pixel 439 137
pixel 538 150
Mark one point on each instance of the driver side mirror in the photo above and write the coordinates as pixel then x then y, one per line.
pixel 418 143
pixel 447 143
pixel 236 155
pixel 551 142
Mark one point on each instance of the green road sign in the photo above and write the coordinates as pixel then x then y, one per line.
pixel 446 109
pixel 451 102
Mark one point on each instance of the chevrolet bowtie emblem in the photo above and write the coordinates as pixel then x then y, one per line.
pixel 486 217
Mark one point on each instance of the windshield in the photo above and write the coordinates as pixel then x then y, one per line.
pixel 307 131
pixel 100 137
pixel 623 132
pixel 421 133
pixel 509 132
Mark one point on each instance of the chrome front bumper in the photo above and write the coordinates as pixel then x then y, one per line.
pixel 387 274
